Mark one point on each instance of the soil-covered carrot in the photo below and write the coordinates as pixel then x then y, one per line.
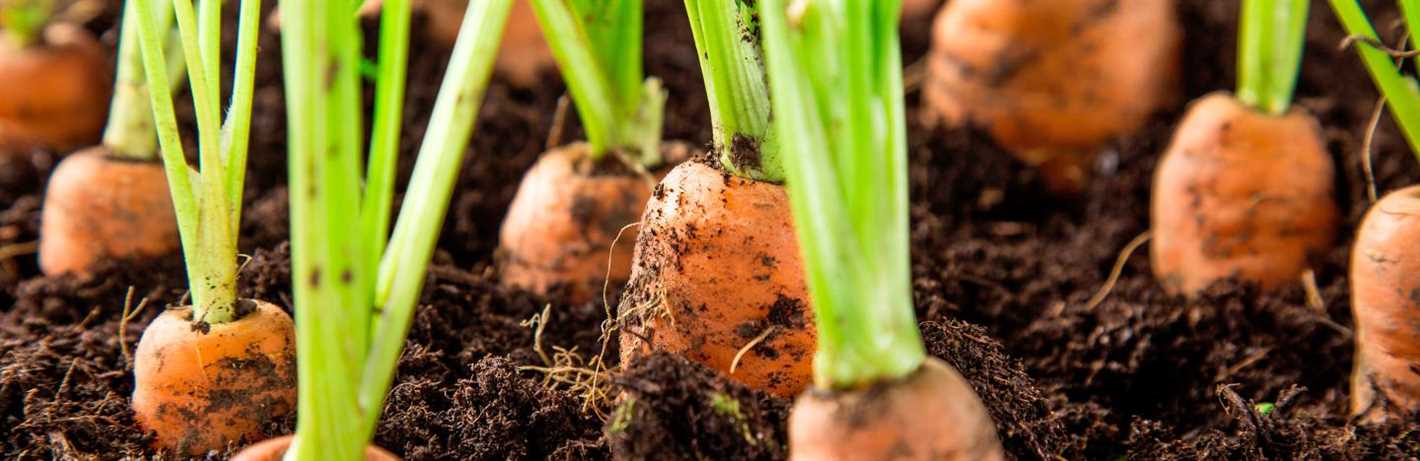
pixel 716 273
pixel 110 202
pixel 1219 208
pixel 215 372
pixel 1052 80
pixel 356 283
pixel 1385 267
pixel 54 79
pixel 836 82
pixel 572 204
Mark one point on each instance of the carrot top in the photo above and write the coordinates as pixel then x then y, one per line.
pixel 22 21
pixel 1270 42
pixel 597 44
pixel 130 132
pixel 208 215
pixel 835 73
pixel 355 289
pixel 727 40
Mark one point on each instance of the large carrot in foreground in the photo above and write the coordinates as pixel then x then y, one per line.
pixel 717 276
pixel 356 283
pixel 1052 80
pixel 561 228
pixel 110 201
pixel 215 372
pixel 54 79
pixel 1385 267
pixel 836 82
pixel 1220 207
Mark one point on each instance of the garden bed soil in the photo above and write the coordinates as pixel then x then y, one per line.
pixel 1002 275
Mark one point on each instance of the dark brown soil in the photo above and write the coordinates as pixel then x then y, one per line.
pixel 1002 274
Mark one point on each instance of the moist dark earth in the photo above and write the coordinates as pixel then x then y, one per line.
pixel 1002 275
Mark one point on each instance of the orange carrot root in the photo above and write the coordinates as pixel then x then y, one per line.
pixel 101 208
pixel 716 266
pixel 523 54
pixel 55 94
pixel 274 449
pixel 559 230
pixel 200 388
pixel 1385 299
pixel 1052 80
pixel 930 415
pixel 1241 193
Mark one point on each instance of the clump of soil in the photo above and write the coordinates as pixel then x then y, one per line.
pixel 672 409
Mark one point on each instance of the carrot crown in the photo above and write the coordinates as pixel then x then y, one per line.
pixel 354 290
pixel 835 74
pixel 208 205
pixel 22 21
pixel 1270 42
pixel 597 44
pixel 1401 92
pixel 727 41
pixel 130 130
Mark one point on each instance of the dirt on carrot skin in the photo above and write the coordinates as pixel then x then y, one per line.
pixel 1001 271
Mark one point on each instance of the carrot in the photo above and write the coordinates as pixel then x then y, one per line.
pixel 911 8
pixel 876 395
pixel 1052 80
pixel 1219 209
pixel 719 255
pixel 99 207
pixel 1385 269
pixel 204 387
pixel 219 370
pixel 574 202
pixel 110 202
pixel 715 276
pixel 562 227
pixel 1385 293
pixel 53 91
pixel 275 450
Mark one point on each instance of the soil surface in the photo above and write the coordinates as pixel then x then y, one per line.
pixel 1002 276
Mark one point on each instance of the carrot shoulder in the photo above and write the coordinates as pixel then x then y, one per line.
pixel 1385 299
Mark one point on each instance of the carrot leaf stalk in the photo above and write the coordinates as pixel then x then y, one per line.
pixel 23 20
pixel 727 38
pixel 355 293
pixel 207 209
pixel 1270 42
pixel 597 43
pixel 1400 91
pixel 836 77
pixel 130 131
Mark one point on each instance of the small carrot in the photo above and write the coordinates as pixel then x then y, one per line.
pixel 220 370
pixel 54 79
pixel 574 202
pixel 1219 209
pixel 876 395
pixel 110 202
pixel 716 275
pixel 200 388
pixel 1052 80
pixel 1385 267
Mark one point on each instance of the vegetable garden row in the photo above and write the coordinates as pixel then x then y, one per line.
pixel 710 229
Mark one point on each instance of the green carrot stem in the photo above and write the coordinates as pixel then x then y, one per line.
pixel 836 80
pixel 23 21
pixel 384 136
pixel 1270 43
pixel 597 44
pixel 130 132
pixel 727 41
pixel 401 272
pixel 1399 90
